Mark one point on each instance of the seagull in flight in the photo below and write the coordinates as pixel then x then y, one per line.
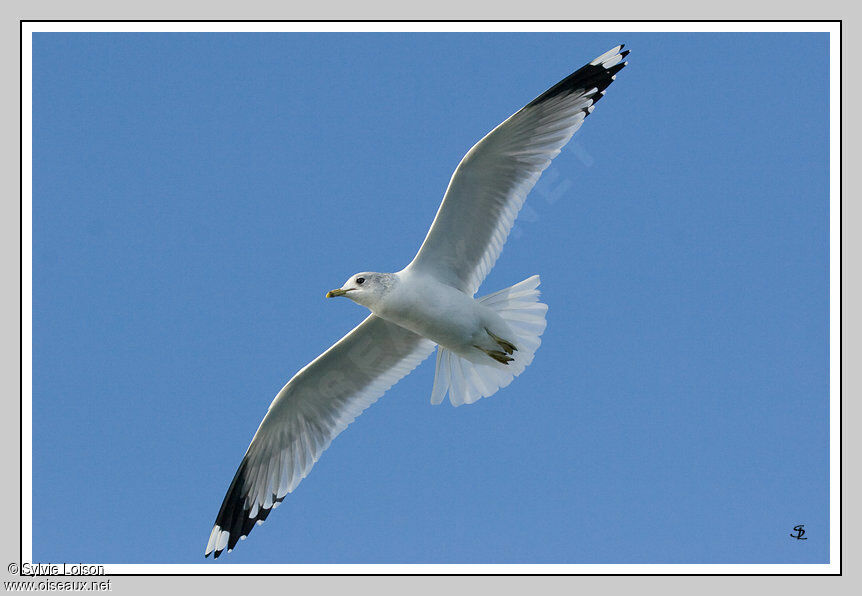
pixel 482 343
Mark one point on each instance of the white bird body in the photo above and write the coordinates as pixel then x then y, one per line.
pixel 482 343
pixel 445 315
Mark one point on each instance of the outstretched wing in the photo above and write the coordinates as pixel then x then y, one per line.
pixel 490 184
pixel 315 405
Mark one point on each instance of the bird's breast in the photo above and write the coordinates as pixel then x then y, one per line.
pixel 434 310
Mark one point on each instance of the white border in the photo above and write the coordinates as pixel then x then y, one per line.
pixel 624 26
pixel 835 298
pixel 26 295
pixel 434 27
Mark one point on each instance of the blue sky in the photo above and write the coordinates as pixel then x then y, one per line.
pixel 194 196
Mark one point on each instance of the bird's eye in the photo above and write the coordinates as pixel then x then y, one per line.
pixel 360 280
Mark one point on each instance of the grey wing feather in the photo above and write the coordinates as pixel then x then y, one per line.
pixel 307 414
pixel 492 181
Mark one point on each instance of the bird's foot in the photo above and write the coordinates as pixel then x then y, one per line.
pixel 508 347
pixel 497 355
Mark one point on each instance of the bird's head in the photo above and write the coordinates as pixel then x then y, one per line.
pixel 364 288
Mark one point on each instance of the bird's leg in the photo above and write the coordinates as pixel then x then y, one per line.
pixel 498 355
pixel 507 346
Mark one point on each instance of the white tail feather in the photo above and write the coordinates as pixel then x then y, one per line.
pixel 466 381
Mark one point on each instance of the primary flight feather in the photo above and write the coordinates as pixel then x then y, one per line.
pixel 482 344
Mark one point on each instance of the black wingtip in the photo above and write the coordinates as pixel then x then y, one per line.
pixel 613 70
pixel 234 517
pixel 587 77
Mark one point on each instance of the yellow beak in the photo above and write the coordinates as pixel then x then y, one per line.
pixel 338 292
